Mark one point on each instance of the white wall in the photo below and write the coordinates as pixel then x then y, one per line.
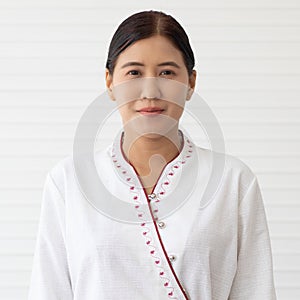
pixel 52 56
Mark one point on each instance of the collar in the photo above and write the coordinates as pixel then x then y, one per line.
pixel 168 178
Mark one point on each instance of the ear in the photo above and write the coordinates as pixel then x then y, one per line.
pixel 192 83
pixel 108 80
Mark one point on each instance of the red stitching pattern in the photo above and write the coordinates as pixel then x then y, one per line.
pixel 146 232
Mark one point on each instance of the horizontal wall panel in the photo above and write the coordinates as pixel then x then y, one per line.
pixel 204 16
pixel 13 278
pixel 213 98
pixel 283 245
pixel 95 66
pixel 285 213
pixel 281 196
pixel 25 212
pixel 281 228
pixel 15 293
pixel 271 196
pixel 89 82
pixel 9 229
pixel 15 263
pixel 233 115
pixel 258 164
pixel 20 213
pixel 56 4
pixel 289 293
pixel 203 50
pixel 85 33
pixel 47 147
pixel 17 246
pixel 21 196
pixel 232 131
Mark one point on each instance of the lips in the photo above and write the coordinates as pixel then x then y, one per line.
pixel 150 110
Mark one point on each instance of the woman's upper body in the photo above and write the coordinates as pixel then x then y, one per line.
pixel 160 224
pixel 216 250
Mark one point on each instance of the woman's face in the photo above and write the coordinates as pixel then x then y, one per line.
pixel 151 57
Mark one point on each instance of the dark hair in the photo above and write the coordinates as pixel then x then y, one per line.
pixel 143 25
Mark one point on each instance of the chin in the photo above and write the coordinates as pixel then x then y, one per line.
pixel 152 136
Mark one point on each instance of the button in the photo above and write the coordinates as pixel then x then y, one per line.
pixel 151 196
pixel 161 224
pixel 172 257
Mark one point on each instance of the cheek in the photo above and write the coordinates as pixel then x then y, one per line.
pixel 175 111
pixel 126 111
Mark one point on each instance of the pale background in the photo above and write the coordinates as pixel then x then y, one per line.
pixel 52 57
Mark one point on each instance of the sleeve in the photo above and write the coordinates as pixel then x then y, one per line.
pixel 254 274
pixel 50 278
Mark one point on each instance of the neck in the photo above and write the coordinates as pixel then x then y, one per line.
pixel 150 153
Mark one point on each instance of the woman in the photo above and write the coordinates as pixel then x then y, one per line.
pixel 216 250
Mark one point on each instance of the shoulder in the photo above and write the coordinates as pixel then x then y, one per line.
pixel 233 164
pixel 61 172
pixel 62 167
pixel 66 171
pixel 237 176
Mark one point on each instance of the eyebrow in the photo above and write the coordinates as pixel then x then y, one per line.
pixel 166 63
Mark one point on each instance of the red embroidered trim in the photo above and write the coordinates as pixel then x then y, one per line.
pixel 146 231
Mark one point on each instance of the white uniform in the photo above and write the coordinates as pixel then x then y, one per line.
pixel 216 250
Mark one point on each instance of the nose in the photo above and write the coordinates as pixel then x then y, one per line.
pixel 150 88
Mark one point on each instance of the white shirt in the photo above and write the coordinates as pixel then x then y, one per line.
pixel 208 250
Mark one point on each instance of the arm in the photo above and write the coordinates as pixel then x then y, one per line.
pixel 50 275
pixel 254 274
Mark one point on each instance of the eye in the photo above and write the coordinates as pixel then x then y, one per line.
pixel 167 72
pixel 133 72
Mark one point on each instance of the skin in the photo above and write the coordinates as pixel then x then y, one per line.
pixel 157 150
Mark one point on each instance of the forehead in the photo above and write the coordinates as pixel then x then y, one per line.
pixel 154 49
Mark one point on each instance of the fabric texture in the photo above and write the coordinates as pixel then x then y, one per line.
pixel 208 250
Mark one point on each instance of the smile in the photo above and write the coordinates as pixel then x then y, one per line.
pixel 151 110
